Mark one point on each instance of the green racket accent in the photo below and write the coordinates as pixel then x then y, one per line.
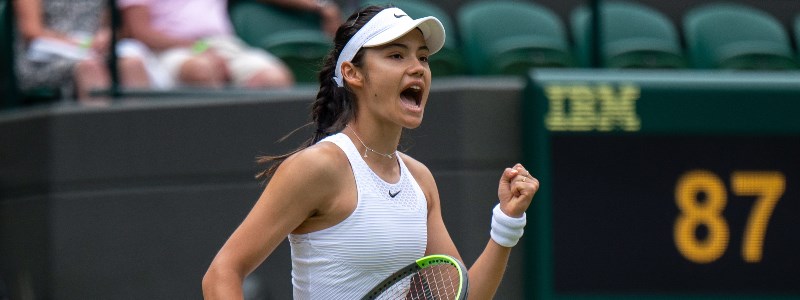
pixel 435 276
pixel 438 259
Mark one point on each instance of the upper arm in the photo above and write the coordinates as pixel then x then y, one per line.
pixel 439 240
pixel 286 202
pixel 137 20
pixel 29 18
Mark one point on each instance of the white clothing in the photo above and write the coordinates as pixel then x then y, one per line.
pixel 382 235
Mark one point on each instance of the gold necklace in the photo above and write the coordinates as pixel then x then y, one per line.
pixel 389 156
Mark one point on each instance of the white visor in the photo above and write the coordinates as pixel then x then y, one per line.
pixel 389 25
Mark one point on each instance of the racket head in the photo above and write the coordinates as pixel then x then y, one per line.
pixel 435 276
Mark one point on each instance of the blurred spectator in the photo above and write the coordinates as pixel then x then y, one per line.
pixel 62 45
pixel 195 42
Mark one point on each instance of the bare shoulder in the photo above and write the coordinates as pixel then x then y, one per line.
pixel 306 185
pixel 320 163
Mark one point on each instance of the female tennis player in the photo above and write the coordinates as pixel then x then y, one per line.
pixel 353 207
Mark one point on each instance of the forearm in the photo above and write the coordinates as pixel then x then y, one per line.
pixel 159 41
pixel 309 5
pixel 29 20
pixel 508 225
pixel 34 32
pixel 329 13
pixel 487 272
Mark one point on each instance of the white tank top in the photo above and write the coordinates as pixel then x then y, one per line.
pixel 386 231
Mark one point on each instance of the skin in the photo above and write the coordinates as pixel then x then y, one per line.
pixel 387 71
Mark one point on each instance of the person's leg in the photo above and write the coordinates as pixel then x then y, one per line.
pixel 189 69
pixel 132 73
pixel 270 75
pixel 89 75
pixel 203 70
pixel 252 67
pixel 158 76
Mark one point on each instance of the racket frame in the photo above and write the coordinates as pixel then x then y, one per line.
pixel 419 264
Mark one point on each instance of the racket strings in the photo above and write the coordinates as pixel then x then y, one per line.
pixel 433 283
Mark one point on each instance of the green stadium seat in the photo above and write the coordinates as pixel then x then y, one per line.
pixel 797 35
pixel 448 61
pixel 735 36
pixel 633 36
pixel 510 38
pixel 294 36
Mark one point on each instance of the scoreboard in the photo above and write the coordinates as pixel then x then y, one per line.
pixel 663 185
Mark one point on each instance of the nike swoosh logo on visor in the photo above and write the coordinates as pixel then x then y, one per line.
pixel 400 16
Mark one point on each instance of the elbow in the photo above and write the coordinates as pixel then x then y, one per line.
pixel 29 34
pixel 210 283
pixel 221 283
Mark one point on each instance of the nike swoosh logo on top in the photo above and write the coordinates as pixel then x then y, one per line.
pixel 395 194
pixel 400 16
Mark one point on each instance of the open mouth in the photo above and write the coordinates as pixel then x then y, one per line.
pixel 412 95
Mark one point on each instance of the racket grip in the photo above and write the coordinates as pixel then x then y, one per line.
pixel 506 231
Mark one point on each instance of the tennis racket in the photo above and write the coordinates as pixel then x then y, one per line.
pixel 437 277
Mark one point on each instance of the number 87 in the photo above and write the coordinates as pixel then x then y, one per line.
pixel 766 186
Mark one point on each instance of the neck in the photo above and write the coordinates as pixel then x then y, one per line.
pixel 374 142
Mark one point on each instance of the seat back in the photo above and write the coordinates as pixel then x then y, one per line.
pixel 735 36
pixel 449 61
pixel 293 36
pixel 506 37
pixel 653 42
pixel 796 29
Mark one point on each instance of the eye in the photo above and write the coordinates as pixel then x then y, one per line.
pixel 423 58
pixel 396 56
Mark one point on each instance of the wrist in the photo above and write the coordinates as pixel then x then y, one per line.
pixel 506 231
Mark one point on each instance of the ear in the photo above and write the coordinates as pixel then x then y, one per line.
pixel 352 75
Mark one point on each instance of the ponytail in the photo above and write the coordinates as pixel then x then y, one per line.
pixel 334 106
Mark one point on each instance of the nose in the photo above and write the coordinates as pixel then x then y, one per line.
pixel 417 68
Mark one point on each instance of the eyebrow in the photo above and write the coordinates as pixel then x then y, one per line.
pixel 404 46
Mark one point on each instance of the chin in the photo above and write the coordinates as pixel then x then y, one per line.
pixel 412 124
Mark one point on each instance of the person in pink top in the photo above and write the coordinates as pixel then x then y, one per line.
pixel 195 43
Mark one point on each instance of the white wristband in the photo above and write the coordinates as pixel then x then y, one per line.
pixel 506 230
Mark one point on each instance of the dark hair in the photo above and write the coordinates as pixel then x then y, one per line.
pixel 334 106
